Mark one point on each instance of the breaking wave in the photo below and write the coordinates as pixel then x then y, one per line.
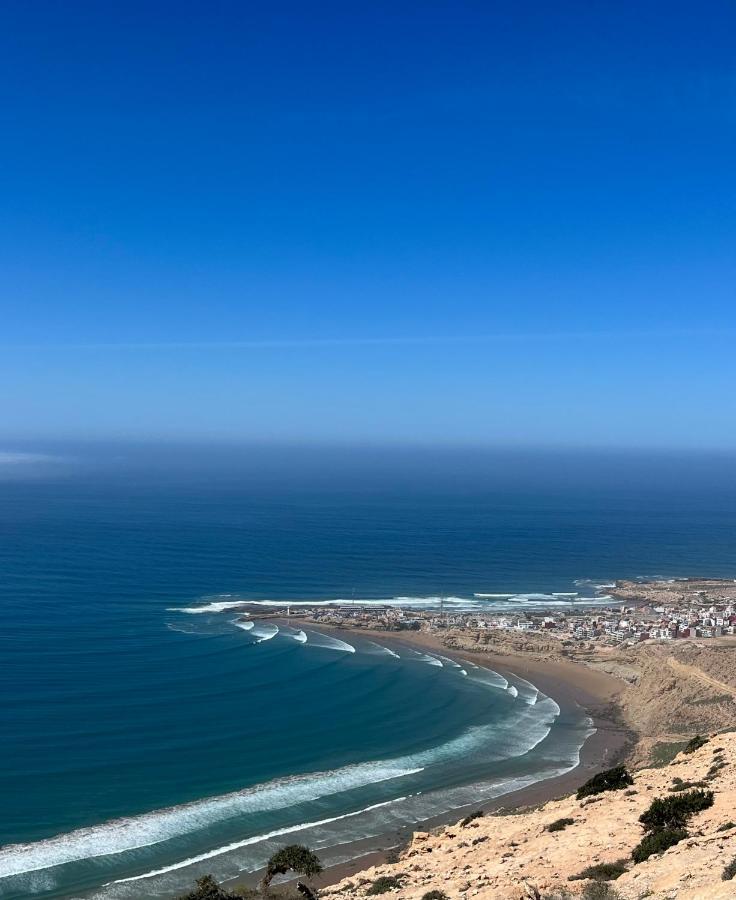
pixel 133 833
pixel 256 839
pixel 477 602
pixel 213 607
pixel 328 642
pixel 296 634
pixel 427 658
pixel 384 651
pixel 521 731
pixel 264 632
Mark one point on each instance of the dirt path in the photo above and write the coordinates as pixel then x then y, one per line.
pixel 693 672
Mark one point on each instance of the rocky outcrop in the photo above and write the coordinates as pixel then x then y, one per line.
pixel 515 857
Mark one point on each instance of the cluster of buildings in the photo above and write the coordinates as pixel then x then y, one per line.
pixel 660 623
pixel 610 624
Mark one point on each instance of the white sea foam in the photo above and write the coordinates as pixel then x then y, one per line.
pixel 213 607
pixel 528 692
pixel 264 632
pixel 478 601
pixel 246 626
pixel 328 642
pixel 418 656
pixel 384 651
pixel 528 729
pixel 512 690
pixel 521 732
pixel 449 662
pixel 256 839
pixel 488 677
pixel 132 833
pixel 296 634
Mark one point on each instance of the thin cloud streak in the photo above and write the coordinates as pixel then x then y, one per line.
pixel 406 340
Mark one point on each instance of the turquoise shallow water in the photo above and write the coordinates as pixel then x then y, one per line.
pixel 139 737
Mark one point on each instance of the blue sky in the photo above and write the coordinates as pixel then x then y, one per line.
pixel 491 223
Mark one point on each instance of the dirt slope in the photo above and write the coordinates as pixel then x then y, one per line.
pixel 511 857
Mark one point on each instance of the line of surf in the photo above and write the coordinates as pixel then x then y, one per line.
pixel 256 839
pixel 213 607
pixel 133 833
pixel 526 730
pixel 264 632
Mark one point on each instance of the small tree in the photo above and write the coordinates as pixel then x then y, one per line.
pixel 730 871
pixel 695 744
pixel 383 884
pixel 602 871
pixel 294 858
pixel 208 889
pixel 657 842
pixel 560 824
pixel 675 812
pixel 614 779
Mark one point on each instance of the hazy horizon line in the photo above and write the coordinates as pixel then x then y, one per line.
pixel 386 340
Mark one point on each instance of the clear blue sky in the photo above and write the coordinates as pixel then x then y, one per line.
pixel 483 222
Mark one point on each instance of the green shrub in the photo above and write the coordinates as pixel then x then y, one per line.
pixel 599 890
pixel 663 753
pixel 674 812
pixel 726 826
pixel 435 895
pixel 383 885
pixel 208 889
pixel 657 842
pixel 729 871
pixel 293 858
pixel 478 814
pixel 695 744
pixel 602 871
pixel 560 824
pixel 611 780
pixel 686 785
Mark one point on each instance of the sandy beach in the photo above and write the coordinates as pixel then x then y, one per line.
pixel 568 683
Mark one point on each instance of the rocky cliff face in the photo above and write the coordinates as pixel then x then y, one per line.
pixel 516 857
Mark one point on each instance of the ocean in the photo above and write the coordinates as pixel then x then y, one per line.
pixel 149 737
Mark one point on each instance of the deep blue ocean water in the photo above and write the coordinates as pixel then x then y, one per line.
pixel 140 737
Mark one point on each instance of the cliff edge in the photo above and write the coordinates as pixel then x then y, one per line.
pixel 520 857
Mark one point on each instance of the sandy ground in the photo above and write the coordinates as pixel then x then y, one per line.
pixel 520 857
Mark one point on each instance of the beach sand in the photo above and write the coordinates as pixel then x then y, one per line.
pixel 568 683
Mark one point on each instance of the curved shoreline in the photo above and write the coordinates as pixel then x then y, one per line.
pixel 566 682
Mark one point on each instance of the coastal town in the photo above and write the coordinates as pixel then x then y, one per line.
pixel 639 611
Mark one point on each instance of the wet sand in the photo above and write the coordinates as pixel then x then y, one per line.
pixel 568 683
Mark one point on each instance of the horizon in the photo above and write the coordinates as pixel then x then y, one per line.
pixel 415 226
